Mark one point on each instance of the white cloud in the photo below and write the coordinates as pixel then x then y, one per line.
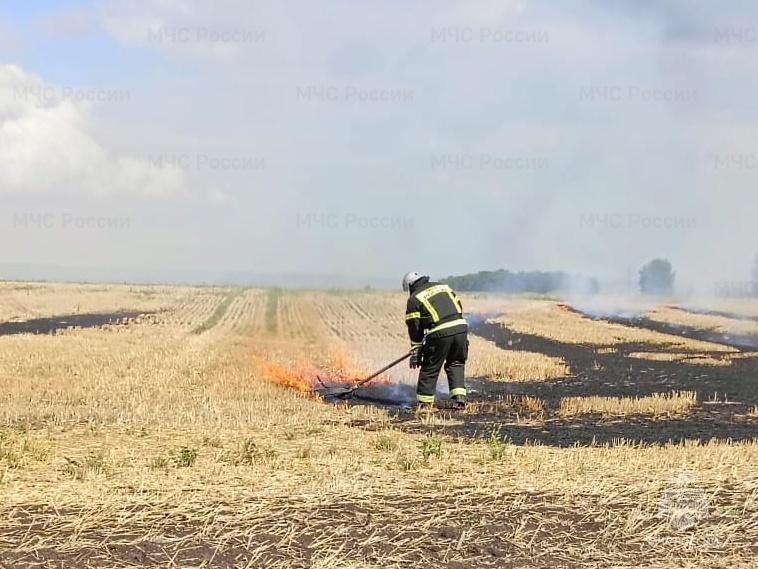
pixel 46 147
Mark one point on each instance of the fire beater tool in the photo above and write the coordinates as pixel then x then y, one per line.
pixel 342 392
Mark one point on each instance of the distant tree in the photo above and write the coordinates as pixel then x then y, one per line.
pixel 657 278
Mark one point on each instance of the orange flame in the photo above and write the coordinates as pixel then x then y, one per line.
pixel 344 365
pixel 298 377
pixel 302 377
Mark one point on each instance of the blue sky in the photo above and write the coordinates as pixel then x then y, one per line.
pixel 368 138
pixel 92 58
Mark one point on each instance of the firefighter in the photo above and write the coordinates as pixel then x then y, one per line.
pixel 439 335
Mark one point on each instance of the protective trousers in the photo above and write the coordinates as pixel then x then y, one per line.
pixel 452 351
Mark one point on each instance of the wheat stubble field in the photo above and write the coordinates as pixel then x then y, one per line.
pixel 174 427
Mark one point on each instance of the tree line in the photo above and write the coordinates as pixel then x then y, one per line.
pixel 538 282
pixel 656 278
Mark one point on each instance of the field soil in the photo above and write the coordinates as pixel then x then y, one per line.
pixel 178 427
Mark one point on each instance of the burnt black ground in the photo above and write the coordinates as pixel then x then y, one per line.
pixel 743 342
pixel 56 323
pixel 725 393
pixel 721 313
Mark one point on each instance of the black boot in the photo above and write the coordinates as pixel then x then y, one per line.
pixel 459 402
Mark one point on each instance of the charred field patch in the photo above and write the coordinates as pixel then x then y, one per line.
pixel 64 322
pixel 725 394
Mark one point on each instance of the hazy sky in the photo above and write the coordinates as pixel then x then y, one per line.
pixel 370 138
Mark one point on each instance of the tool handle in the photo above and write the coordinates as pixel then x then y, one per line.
pixel 385 368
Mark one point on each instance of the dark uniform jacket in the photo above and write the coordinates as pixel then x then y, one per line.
pixel 433 310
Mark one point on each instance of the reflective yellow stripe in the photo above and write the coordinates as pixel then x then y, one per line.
pixel 458 391
pixel 451 294
pixel 424 296
pixel 447 325
pixel 432 290
pixel 424 398
pixel 456 302
pixel 432 311
pixel 412 315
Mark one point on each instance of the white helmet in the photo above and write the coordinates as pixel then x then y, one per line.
pixel 409 279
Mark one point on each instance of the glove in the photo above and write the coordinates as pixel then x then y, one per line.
pixel 415 360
